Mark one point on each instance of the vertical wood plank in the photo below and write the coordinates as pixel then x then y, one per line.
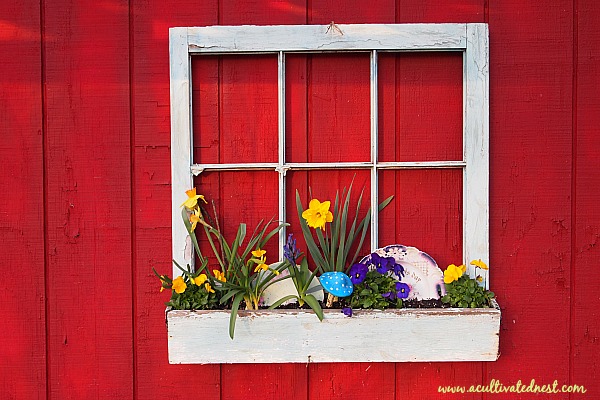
pixel 585 279
pixel 155 378
pixel 346 381
pixel 428 376
pixel 531 163
pixel 428 208
pixel 267 381
pixel 351 381
pixel 89 200
pixel 22 306
pixel 248 109
pixel 338 108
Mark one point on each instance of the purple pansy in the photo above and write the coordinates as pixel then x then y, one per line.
pixel 358 273
pixel 382 264
pixel 398 270
pixel 402 290
pixel 290 251
pixel 347 311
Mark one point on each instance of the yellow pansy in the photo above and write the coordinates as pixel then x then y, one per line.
pixel 199 280
pixel 317 214
pixel 219 275
pixel 208 288
pixel 192 200
pixel 195 217
pixel 479 264
pixel 179 285
pixel 479 278
pixel 462 268
pixel 452 273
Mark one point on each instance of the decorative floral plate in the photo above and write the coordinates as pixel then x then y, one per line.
pixel 421 272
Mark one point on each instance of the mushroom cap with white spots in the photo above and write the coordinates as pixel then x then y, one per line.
pixel 337 283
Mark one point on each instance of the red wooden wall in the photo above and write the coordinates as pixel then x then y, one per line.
pixel 85 199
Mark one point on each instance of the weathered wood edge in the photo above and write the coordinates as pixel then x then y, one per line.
pixel 338 37
pixel 456 335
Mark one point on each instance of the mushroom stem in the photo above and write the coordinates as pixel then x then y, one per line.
pixel 330 299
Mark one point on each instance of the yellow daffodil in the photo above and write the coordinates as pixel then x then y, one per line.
pixel 192 200
pixel 208 288
pixel 452 273
pixel 179 285
pixel 479 264
pixel 163 281
pixel 264 267
pixel 317 214
pixel 259 253
pixel 219 275
pixel 195 217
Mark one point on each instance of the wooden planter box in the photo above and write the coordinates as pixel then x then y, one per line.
pixel 297 336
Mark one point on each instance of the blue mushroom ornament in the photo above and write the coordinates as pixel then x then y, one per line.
pixel 337 283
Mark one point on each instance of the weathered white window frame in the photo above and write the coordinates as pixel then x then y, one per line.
pixel 470 39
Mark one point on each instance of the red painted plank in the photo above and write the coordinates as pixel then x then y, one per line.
pixel 585 279
pixel 421 381
pixel 429 90
pixel 343 82
pixel 90 350
pixel 428 212
pixel 245 108
pixel 441 11
pixel 338 108
pixel 22 309
pixel 531 164
pixel 270 381
pixel 351 381
pixel 258 12
pixel 155 378
pixel 352 12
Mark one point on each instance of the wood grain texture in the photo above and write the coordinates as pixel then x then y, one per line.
pixel 22 306
pixel 428 376
pixel 347 381
pixel 356 37
pixel 301 338
pixel 269 381
pixel 155 379
pixel 531 186
pixel 585 279
pixel 89 200
pixel 544 217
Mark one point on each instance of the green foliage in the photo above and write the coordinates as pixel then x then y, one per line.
pixel 333 251
pixel 195 296
pixel 466 293
pixel 370 293
pixel 302 278
pixel 238 264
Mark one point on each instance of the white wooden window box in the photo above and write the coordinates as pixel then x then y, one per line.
pixel 298 336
